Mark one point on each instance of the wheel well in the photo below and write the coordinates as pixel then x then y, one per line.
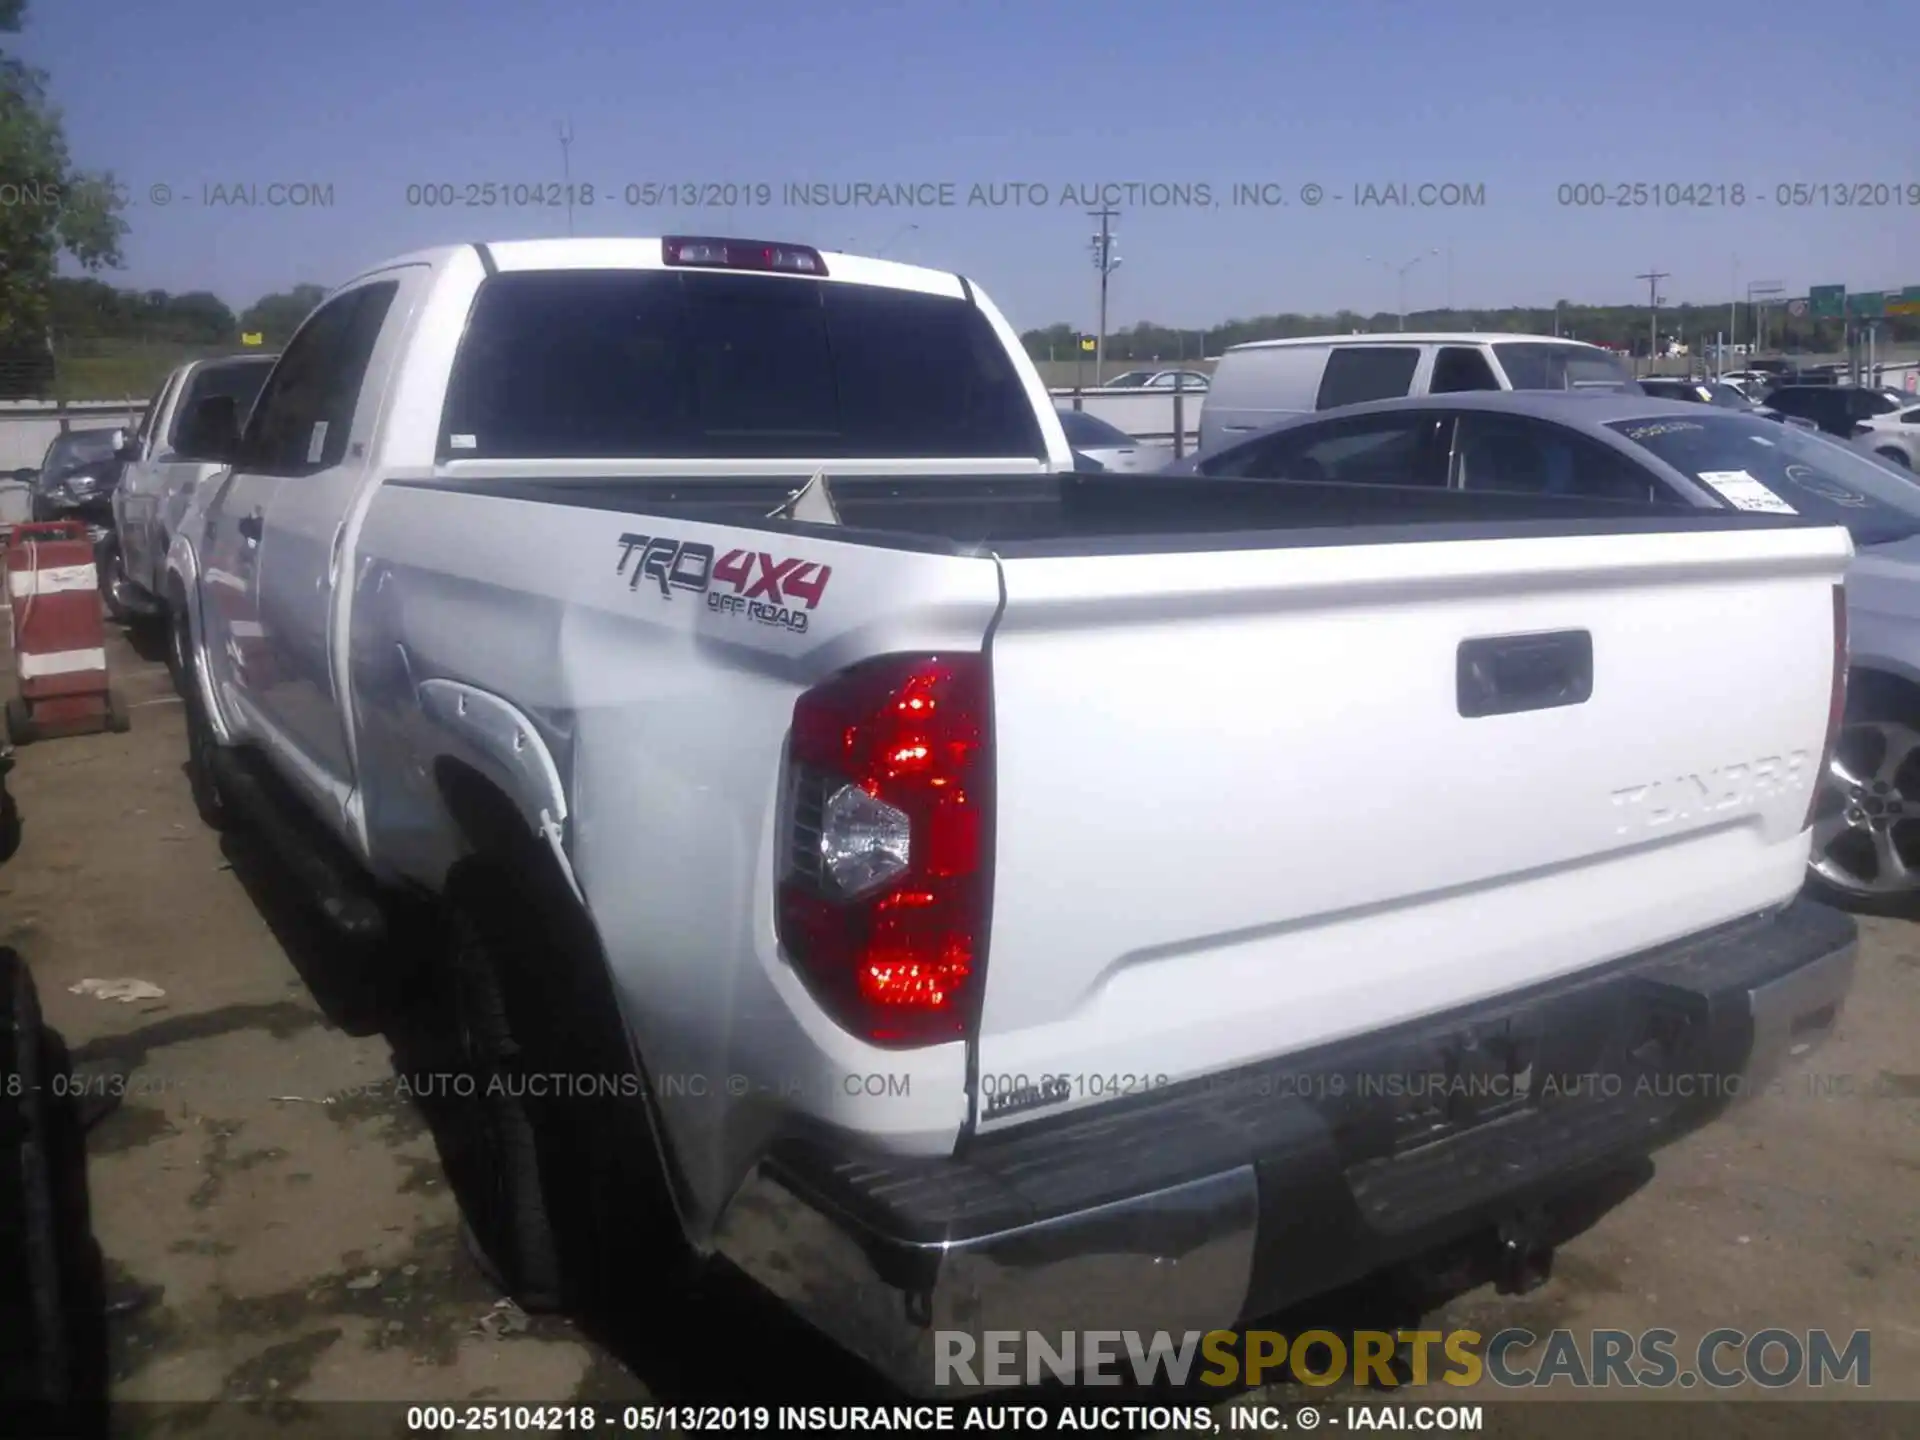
pixel 487 818
pixel 1879 692
pixel 495 831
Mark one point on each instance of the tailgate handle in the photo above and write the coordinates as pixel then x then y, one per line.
pixel 1506 674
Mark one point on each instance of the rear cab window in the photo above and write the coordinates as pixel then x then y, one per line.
pixel 1358 373
pixel 647 364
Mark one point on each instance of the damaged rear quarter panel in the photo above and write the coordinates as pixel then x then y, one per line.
pixel 661 678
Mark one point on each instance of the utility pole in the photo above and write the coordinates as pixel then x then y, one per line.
pixel 1106 262
pixel 566 167
pixel 1760 290
pixel 1653 279
pixel 1733 315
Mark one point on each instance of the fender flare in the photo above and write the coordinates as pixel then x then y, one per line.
pixel 500 740
pixel 182 570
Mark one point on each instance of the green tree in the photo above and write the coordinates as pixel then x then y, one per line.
pixel 47 208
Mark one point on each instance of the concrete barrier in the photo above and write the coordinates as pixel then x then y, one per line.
pixel 28 427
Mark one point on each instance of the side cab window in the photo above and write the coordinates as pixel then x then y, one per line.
pixel 300 423
pixel 1358 373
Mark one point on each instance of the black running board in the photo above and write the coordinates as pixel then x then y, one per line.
pixel 330 877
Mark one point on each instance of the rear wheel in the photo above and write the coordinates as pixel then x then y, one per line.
pixel 1898 457
pixel 570 1206
pixel 1866 828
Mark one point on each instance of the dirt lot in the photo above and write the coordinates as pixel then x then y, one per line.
pixel 285 1208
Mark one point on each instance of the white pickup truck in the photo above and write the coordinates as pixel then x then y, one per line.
pixel 966 894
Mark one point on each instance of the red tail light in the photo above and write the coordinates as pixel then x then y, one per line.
pixel 884 886
pixel 1836 701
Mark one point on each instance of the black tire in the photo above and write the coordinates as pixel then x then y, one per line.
pixel 36 1366
pixel 593 1220
pixel 113 576
pixel 20 727
pixel 9 812
pixel 504 1203
pixel 1898 457
pixel 203 777
pixel 118 720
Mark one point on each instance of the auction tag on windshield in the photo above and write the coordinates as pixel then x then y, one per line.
pixel 1743 492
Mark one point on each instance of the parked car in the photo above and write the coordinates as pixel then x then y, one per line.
pixel 164 464
pixel 1714 392
pixel 1108 445
pixel 1159 380
pixel 955 769
pixel 1267 380
pixel 1629 449
pixel 1892 435
pixel 1837 408
pixel 77 477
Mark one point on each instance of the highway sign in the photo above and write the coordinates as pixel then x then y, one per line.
pixel 1907 302
pixel 1086 343
pixel 1870 306
pixel 1796 308
pixel 1827 302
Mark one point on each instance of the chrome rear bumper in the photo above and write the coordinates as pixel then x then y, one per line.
pixel 1265 1201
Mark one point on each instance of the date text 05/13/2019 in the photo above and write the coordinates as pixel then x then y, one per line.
pixel 1738 195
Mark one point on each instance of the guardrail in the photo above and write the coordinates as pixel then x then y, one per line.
pixel 28 427
pixel 1153 417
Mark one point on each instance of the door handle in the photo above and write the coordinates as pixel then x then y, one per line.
pixel 1509 674
pixel 250 526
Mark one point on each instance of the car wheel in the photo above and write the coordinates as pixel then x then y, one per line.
pixel 113 588
pixel 203 775
pixel 1899 457
pixel 1866 827
pixel 504 1200
pixel 571 1206
pixel 35 1365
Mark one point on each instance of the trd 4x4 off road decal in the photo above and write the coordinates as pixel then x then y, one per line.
pixel 751 583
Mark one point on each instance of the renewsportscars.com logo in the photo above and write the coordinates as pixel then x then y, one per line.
pixel 1513 1358
pixel 749 583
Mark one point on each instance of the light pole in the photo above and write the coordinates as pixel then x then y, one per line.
pixel 1653 279
pixel 1106 262
pixel 1400 279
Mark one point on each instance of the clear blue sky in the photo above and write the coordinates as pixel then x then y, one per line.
pixel 1517 97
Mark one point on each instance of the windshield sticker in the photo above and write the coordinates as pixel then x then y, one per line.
pixel 1812 480
pixel 1743 492
pixel 1666 427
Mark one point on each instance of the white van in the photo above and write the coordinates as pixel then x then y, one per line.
pixel 1266 381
